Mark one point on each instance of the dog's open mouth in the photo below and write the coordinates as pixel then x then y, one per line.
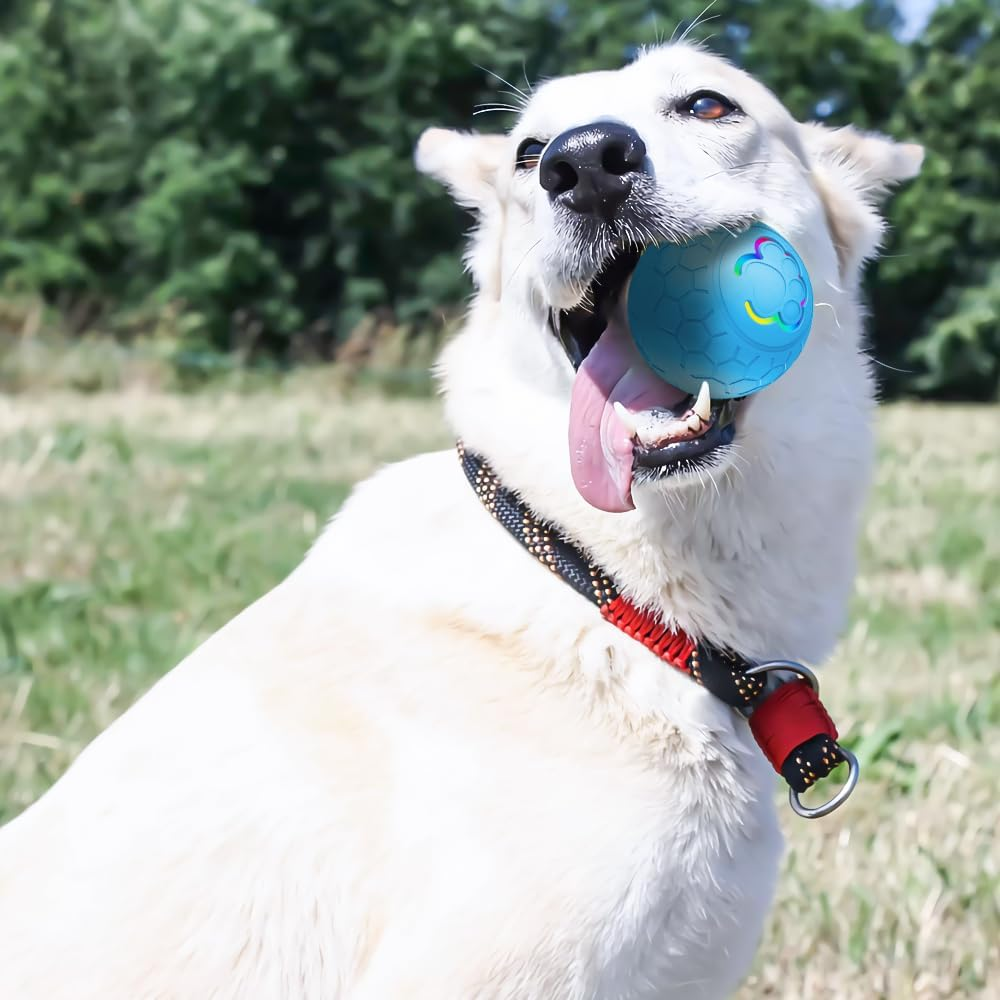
pixel 626 423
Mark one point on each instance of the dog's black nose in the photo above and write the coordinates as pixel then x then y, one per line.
pixel 591 169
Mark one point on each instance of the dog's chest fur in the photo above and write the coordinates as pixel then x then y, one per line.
pixel 585 821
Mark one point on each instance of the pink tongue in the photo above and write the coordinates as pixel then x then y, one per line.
pixel 600 446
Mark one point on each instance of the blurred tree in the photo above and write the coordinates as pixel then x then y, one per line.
pixel 250 162
pixel 936 295
pixel 344 208
pixel 131 133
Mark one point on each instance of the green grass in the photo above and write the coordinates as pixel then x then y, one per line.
pixel 133 524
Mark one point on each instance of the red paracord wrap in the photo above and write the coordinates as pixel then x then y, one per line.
pixel 787 718
pixel 674 647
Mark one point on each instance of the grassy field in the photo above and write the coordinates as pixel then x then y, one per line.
pixel 133 525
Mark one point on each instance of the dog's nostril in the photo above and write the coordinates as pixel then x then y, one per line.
pixel 560 177
pixel 623 157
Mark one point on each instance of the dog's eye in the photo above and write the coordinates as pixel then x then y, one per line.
pixel 708 106
pixel 529 153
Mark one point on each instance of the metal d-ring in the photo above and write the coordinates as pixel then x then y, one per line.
pixel 791 665
pixel 839 799
pixel 854 769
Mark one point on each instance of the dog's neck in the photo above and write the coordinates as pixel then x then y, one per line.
pixel 761 559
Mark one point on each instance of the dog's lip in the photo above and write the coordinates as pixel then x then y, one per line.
pixel 686 453
pixel 580 327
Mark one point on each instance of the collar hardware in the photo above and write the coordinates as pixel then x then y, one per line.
pixel 786 717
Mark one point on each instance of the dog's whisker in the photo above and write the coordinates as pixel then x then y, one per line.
pixel 527 82
pixel 699 20
pixel 522 102
pixel 693 24
pixel 829 305
pixel 497 76
pixel 657 36
pixel 701 477
pixel 482 109
pixel 735 473
pixel 892 368
pixel 738 166
pixel 711 479
pixel 527 252
pixel 736 453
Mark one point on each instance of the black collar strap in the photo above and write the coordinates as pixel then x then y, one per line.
pixel 787 719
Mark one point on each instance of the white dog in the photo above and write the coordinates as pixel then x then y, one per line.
pixel 423 766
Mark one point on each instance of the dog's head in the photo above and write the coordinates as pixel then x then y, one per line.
pixel 546 379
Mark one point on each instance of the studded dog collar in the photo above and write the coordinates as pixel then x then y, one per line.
pixel 779 698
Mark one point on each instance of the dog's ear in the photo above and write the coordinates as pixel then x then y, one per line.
pixel 870 163
pixel 854 172
pixel 465 162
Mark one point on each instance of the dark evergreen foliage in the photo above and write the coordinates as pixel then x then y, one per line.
pixel 249 163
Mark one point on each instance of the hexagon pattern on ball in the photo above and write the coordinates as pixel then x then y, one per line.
pixel 734 311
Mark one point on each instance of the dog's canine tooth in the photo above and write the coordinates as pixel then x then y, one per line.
pixel 694 420
pixel 703 404
pixel 626 418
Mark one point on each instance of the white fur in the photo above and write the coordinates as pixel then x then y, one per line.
pixel 422 766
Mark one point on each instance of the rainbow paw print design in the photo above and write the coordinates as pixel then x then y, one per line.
pixel 734 311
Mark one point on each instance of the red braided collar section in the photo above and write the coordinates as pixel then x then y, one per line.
pixel 675 647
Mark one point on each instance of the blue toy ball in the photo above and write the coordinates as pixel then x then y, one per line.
pixel 732 311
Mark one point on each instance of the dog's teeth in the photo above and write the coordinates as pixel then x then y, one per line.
pixel 626 418
pixel 693 422
pixel 703 404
